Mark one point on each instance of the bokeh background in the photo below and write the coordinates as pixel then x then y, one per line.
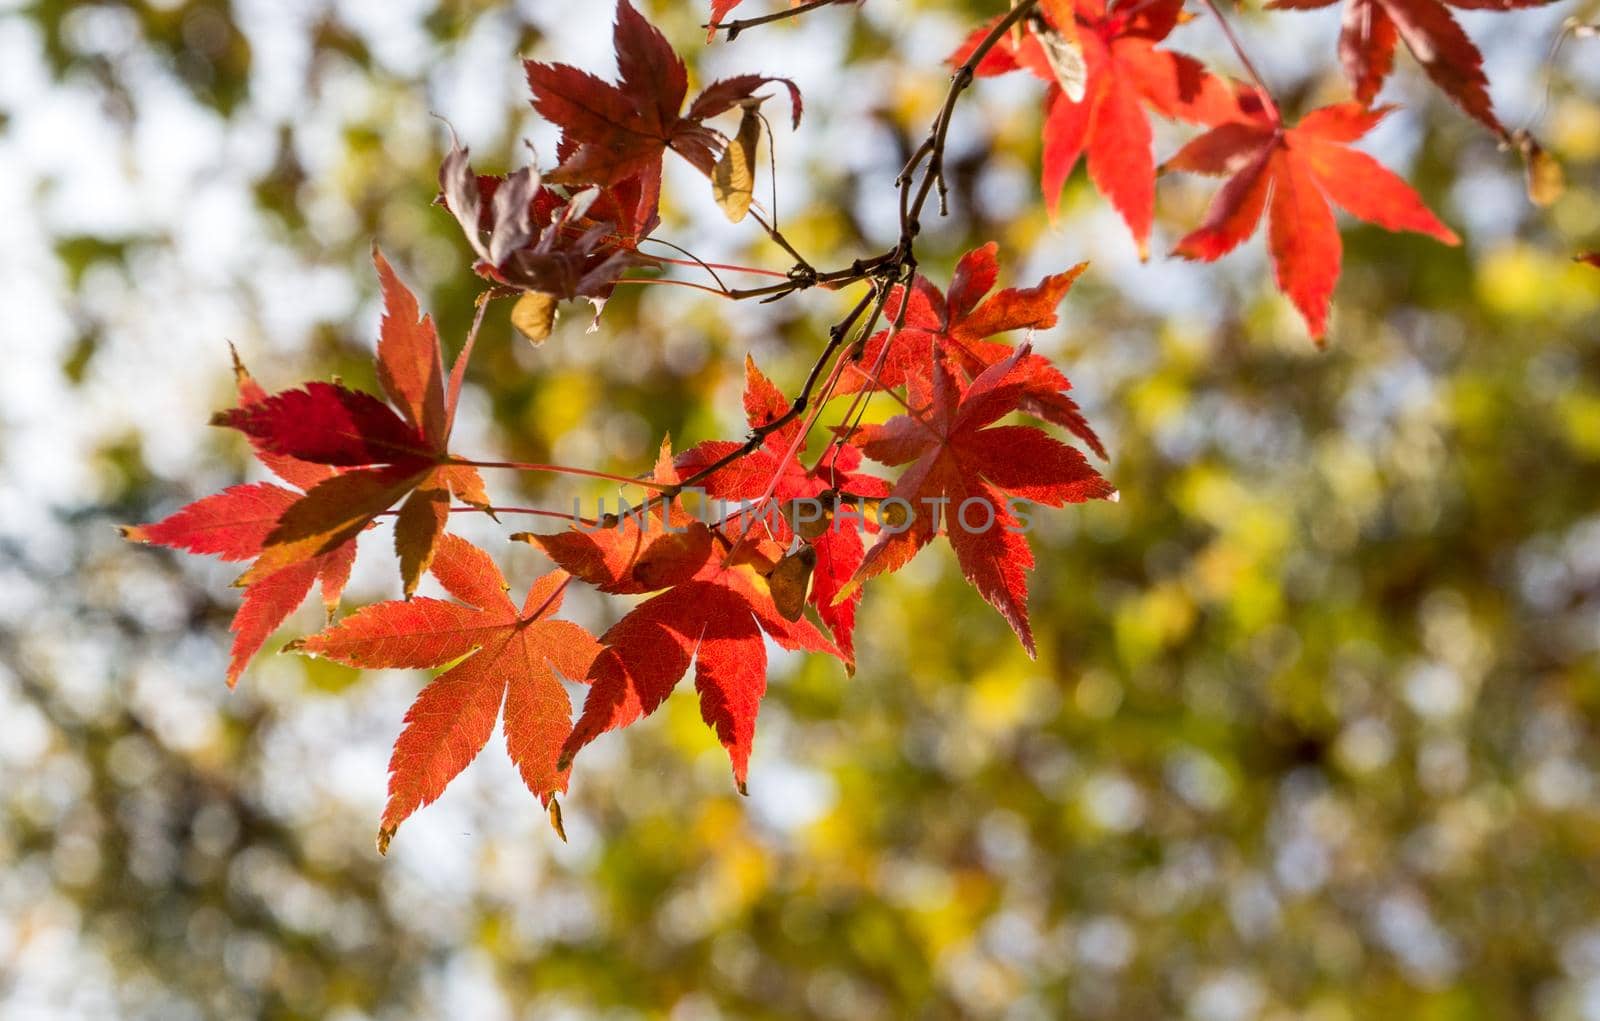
pixel 1312 734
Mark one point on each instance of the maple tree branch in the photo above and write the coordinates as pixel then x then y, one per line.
pixel 560 469
pixel 940 133
pixel 902 261
pixel 533 511
pixel 861 269
pixel 798 443
pixel 896 267
pixel 733 28
pixel 669 282
pixel 777 237
pixel 709 267
pixel 759 434
pixel 1244 59
pixel 837 334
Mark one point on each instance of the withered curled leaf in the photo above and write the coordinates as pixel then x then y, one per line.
pixel 1064 52
pixel 534 315
pixel 733 179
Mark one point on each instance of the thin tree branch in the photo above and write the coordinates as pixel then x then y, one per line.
pixel 733 28
pixel 709 267
pixel 561 469
pixel 534 511
pixel 759 434
pixel 1244 58
pixel 777 236
pixel 894 268
pixel 939 135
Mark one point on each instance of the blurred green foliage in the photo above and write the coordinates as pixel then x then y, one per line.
pixel 1313 730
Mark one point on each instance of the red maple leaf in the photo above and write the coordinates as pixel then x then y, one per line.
pixel 612 132
pixel 1293 174
pixel 633 553
pixel 964 472
pixel 713 615
pixel 386 454
pixel 1098 106
pixel 512 659
pixel 957 328
pixel 234 525
pixel 776 466
pixel 1430 32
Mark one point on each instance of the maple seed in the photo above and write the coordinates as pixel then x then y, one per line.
pixel 811 518
pixel 895 515
pixel 1546 181
pixel 790 581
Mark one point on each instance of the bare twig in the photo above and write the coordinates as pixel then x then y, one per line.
pixel 733 28
pixel 902 267
pixel 1244 58
pixel 496 511
pixel 561 469
pixel 959 82
pixel 759 434
pixel 801 265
